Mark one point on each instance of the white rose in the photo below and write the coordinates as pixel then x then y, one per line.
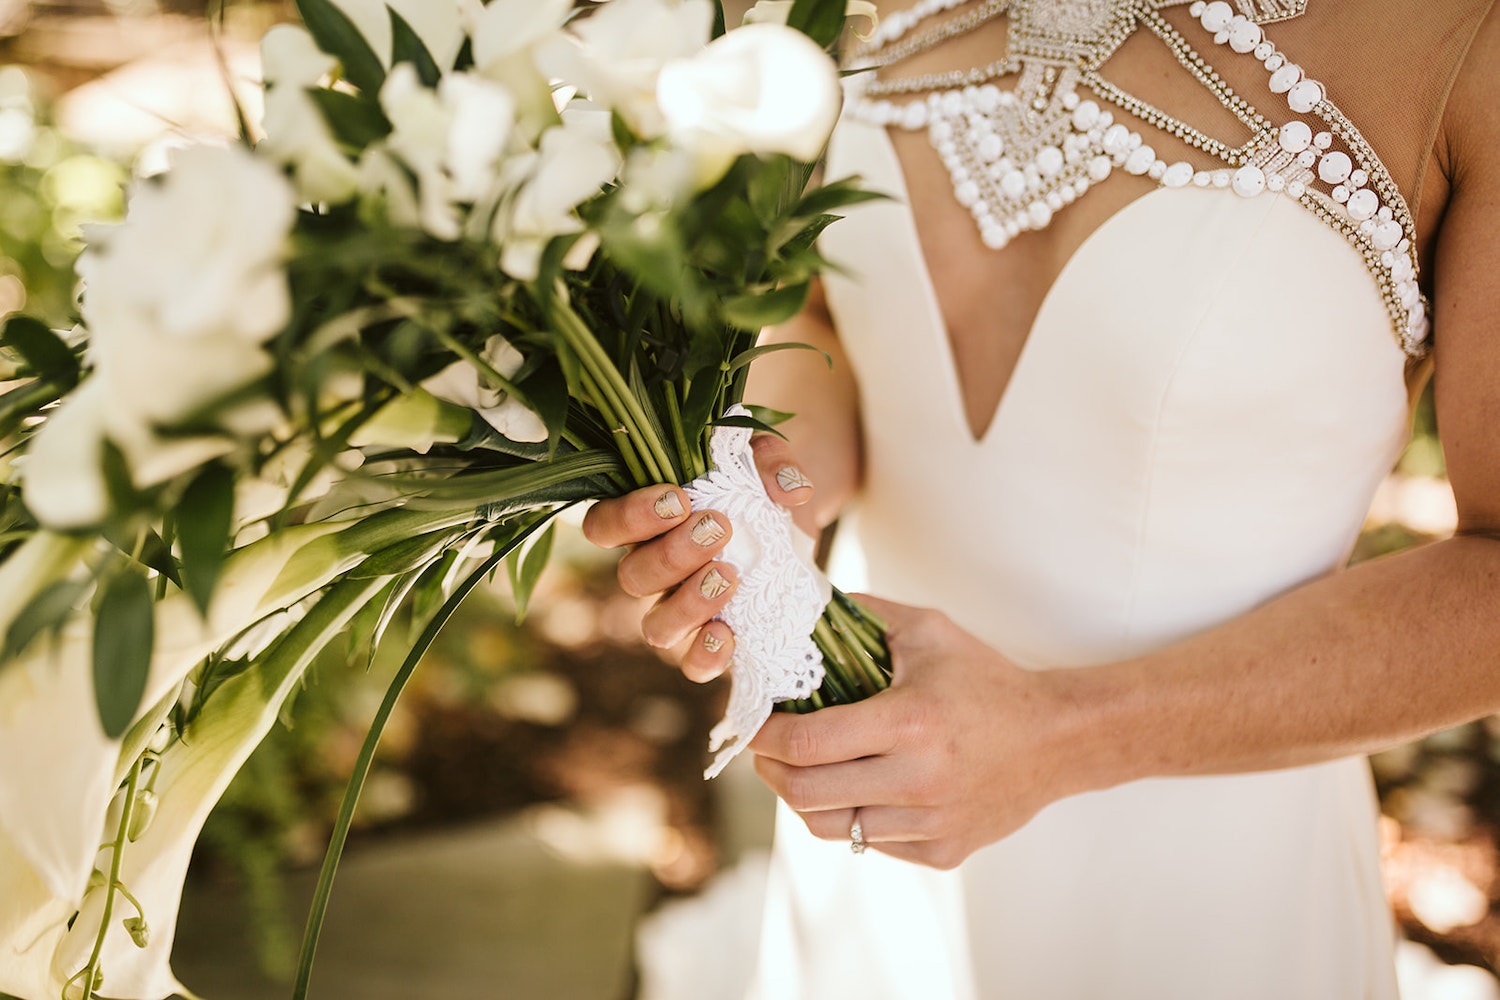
pixel 463 384
pixel 762 88
pixel 615 54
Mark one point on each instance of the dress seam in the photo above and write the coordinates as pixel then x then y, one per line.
pixel 1133 591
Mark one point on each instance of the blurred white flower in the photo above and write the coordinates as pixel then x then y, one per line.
pixel 615 54
pixel 451 138
pixel 762 88
pixel 177 315
pixel 777 12
pixel 464 384
pixel 573 165
pixel 438 23
pixel 505 35
pixel 289 57
pixel 298 137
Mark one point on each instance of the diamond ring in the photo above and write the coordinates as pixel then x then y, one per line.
pixel 857 836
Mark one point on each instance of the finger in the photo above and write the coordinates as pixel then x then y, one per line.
pixel 708 653
pixel 667 561
pixel 784 479
pixel 944 855
pixel 877 824
pixel 829 735
pixel 635 517
pixel 868 781
pixel 690 606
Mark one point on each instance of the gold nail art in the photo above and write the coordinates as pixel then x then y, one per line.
pixel 707 531
pixel 714 585
pixel 712 643
pixel 667 506
pixel 791 478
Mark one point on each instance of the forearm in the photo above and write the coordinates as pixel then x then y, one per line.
pixel 825 434
pixel 1348 664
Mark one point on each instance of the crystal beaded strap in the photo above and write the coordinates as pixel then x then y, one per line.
pixel 780 596
pixel 1018 157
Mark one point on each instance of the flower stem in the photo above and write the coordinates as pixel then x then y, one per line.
pixel 117 850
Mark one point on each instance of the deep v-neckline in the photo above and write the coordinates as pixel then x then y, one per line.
pixel 956 400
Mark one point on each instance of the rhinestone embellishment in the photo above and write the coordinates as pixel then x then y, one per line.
pixel 1017 157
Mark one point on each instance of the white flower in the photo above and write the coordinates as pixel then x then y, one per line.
pixel 506 28
pixel 297 136
pixel 464 384
pixel 438 23
pixel 762 88
pixel 177 314
pixel 777 12
pixel 615 54
pixel 574 164
pixel 289 57
pixel 452 139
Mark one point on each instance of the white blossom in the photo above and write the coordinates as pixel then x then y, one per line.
pixel 289 57
pixel 762 88
pixel 298 137
pixel 465 384
pixel 615 55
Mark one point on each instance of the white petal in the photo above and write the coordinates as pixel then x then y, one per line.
pixel 62 481
pixel 515 422
pixel 290 58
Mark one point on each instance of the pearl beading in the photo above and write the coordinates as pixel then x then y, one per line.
pixel 1017 157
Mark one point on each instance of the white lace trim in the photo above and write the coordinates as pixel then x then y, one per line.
pixel 781 594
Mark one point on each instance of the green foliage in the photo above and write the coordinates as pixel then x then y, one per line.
pixel 337 36
pixel 525 569
pixel 407 47
pixel 204 519
pixel 124 632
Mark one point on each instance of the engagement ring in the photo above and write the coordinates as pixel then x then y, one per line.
pixel 857 836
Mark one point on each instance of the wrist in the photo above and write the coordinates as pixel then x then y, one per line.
pixel 1098 740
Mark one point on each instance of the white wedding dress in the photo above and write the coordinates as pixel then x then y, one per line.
pixel 1206 403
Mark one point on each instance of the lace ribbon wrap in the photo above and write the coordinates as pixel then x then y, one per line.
pixel 780 597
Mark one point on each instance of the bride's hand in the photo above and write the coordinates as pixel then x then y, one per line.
pixel 674 552
pixel 962 750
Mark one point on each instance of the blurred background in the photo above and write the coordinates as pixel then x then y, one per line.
pixel 536 825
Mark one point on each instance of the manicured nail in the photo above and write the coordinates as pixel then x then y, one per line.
pixel 712 643
pixel 667 506
pixel 707 531
pixel 791 478
pixel 714 585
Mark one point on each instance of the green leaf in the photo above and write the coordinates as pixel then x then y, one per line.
pixel 147 547
pixel 767 188
pixel 768 416
pixel 547 388
pixel 42 349
pixel 750 422
pixel 204 519
pixel 820 20
pixel 355 121
pixel 757 310
pixel 124 634
pixel 745 357
pixel 404 557
pixel 337 36
pixel 525 568
pixel 840 194
pixel 719 23
pixel 407 47
pixel 45 612
pixel 698 408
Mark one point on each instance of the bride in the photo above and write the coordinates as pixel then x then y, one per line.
pixel 1115 376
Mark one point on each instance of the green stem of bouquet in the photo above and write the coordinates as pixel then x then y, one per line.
pixel 90 970
pixel 367 754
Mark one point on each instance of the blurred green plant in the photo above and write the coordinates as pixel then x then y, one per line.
pixel 50 187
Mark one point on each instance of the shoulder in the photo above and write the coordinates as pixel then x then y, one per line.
pixel 1468 144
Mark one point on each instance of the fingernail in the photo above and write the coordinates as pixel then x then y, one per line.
pixel 714 585
pixel 712 643
pixel 791 478
pixel 707 531
pixel 667 506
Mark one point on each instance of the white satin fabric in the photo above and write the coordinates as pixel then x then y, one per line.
pixel 1207 401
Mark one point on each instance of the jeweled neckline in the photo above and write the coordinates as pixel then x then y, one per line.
pixel 1017 157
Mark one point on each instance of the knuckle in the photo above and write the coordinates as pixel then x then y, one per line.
pixel 802 741
pixel 799 789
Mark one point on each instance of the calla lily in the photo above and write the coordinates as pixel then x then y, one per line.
pixel 464 384
pixel 417 420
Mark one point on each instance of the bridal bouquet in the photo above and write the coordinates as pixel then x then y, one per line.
pixel 488 262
